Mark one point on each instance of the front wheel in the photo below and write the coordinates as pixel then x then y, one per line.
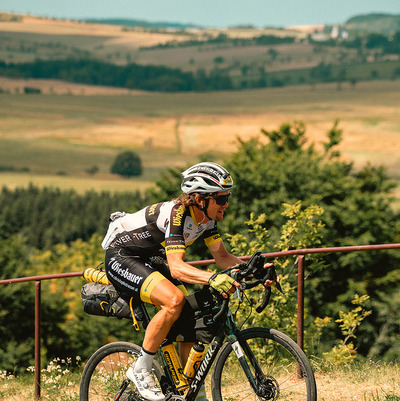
pixel 105 373
pixel 273 359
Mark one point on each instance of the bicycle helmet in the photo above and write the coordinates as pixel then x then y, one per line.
pixel 206 178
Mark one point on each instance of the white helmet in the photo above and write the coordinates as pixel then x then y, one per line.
pixel 205 178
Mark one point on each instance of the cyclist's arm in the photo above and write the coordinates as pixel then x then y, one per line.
pixel 222 257
pixel 183 271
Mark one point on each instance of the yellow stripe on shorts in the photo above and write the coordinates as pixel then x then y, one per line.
pixel 148 285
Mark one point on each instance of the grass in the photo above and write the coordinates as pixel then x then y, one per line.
pixel 80 184
pixel 59 137
pixel 364 381
pixel 358 381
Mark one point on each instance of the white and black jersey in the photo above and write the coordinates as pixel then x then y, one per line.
pixel 158 230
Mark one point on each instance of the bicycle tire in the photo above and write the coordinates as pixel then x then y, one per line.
pixel 106 369
pixel 277 356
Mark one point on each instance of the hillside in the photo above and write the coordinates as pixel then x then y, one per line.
pixel 328 76
pixel 386 24
pixel 212 59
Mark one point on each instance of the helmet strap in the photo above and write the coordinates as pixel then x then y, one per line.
pixel 204 208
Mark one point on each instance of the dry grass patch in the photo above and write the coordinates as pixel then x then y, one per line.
pixel 363 382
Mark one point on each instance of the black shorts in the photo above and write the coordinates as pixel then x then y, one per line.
pixel 134 276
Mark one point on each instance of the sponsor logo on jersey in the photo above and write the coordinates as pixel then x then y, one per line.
pixel 177 219
pixel 152 209
pixel 175 249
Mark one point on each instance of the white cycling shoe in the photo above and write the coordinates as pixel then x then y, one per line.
pixel 146 385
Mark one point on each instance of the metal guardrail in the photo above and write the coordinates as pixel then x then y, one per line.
pixel 300 289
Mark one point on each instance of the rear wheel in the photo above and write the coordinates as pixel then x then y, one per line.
pixel 273 359
pixel 105 373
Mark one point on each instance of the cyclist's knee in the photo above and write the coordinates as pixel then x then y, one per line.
pixel 174 304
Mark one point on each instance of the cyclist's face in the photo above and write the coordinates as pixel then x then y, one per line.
pixel 216 210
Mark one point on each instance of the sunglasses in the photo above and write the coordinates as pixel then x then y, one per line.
pixel 221 200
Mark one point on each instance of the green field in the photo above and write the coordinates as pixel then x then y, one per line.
pixel 57 138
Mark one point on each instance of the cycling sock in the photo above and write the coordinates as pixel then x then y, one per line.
pixel 144 361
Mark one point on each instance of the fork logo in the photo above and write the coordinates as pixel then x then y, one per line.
pixel 237 349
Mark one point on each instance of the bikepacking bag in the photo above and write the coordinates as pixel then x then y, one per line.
pixel 196 321
pixel 103 300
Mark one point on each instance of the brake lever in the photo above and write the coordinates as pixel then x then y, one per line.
pixel 270 275
pixel 265 301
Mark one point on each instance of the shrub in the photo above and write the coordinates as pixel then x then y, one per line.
pixel 127 164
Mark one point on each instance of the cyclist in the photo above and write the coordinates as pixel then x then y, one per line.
pixel 136 243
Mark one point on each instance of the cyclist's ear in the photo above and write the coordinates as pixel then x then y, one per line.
pixel 199 199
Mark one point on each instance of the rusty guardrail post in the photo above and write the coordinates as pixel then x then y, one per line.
pixel 300 307
pixel 37 338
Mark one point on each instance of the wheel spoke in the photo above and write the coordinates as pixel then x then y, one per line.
pixel 273 362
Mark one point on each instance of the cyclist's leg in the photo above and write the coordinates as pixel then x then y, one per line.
pixel 170 299
pixel 183 346
pixel 137 278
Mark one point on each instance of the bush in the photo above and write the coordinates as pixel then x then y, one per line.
pixel 127 164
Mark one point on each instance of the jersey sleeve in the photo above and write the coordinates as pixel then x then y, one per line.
pixel 211 235
pixel 174 239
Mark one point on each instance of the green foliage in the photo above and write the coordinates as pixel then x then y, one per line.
pixel 133 76
pixel 50 216
pixel 357 211
pixel 349 321
pixel 65 330
pixel 127 164
pixel 17 303
pixel 302 228
pixel 17 306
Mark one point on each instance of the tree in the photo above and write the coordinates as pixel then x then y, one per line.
pixel 127 164
pixel 357 211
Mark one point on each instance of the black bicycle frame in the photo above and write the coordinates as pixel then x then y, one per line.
pixel 227 330
pixel 204 368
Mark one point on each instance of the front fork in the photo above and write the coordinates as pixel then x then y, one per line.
pixel 241 352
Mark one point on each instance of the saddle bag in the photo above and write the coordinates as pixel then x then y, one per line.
pixel 103 300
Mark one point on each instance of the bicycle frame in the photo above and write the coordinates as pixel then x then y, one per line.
pixel 227 331
pixel 229 344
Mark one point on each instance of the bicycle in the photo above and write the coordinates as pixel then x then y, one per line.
pixel 254 363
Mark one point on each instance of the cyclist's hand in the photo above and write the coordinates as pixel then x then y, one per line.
pixel 268 283
pixel 223 283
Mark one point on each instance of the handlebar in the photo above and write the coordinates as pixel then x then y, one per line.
pixel 254 269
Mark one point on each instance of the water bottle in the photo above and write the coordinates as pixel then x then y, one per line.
pixel 194 360
pixel 174 365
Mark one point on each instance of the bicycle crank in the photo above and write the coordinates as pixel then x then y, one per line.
pixel 174 397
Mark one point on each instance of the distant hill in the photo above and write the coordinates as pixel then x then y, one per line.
pixel 140 23
pixel 376 22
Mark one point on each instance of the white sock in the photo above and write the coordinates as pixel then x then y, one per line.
pixel 145 360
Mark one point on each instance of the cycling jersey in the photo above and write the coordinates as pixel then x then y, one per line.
pixel 135 241
pixel 158 230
